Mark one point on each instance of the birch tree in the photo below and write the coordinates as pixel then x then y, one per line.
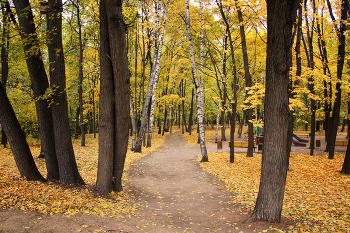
pixel 198 85
pixel 153 76
pixel 156 63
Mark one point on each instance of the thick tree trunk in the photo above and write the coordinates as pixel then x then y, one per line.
pixel 68 169
pixel 3 138
pixel 39 85
pixel 198 85
pixel 280 18
pixel 117 31
pixel 117 110
pixel 106 140
pixel 20 149
pixel 4 64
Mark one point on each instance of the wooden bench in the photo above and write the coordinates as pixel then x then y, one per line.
pixel 341 143
pixel 241 144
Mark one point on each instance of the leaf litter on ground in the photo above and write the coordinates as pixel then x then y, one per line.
pixel 18 193
pixel 316 193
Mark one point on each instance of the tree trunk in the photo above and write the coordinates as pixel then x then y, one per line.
pixel 327 94
pixel 81 76
pixel 346 165
pixel 151 116
pixel 311 65
pixel 4 63
pixel 117 110
pixel 248 80
pixel 190 119
pixel 19 146
pixel 133 122
pixel 232 133
pixel 184 124
pixel 39 84
pixel 280 18
pixel 106 127
pixel 153 78
pixel 198 85
pixel 68 169
pixel 234 84
pixel 77 128
pixel 333 127
pixel 298 74
pixel 117 31
pixel 223 91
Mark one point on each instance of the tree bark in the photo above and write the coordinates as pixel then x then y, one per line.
pixel 77 128
pixel 68 169
pixel 115 89
pixel 190 119
pixel 280 18
pixel 232 133
pixel 159 35
pixel 133 122
pixel 311 65
pixel 198 85
pixel 153 79
pixel 19 146
pixel 117 31
pixel 333 127
pixel 327 85
pixel 4 63
pixel 233 85
pixel 248 80
pixel 39 84
pixel 104 181
pixel 81 77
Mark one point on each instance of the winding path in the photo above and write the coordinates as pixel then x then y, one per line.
pixel 172 193
pixel 175 195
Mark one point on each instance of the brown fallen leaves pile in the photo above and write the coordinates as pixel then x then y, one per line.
pixel 17 193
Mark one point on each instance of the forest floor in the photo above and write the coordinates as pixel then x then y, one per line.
pixel 171 192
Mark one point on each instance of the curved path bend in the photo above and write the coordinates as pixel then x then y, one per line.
pixel 174 194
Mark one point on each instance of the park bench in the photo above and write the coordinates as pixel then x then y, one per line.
pixel 241 144
pixel 341 143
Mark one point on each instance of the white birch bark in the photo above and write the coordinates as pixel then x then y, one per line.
pixel 157 54
pixel 198 85
pixel 153 76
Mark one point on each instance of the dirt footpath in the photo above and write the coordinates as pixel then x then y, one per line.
pixel 172 193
